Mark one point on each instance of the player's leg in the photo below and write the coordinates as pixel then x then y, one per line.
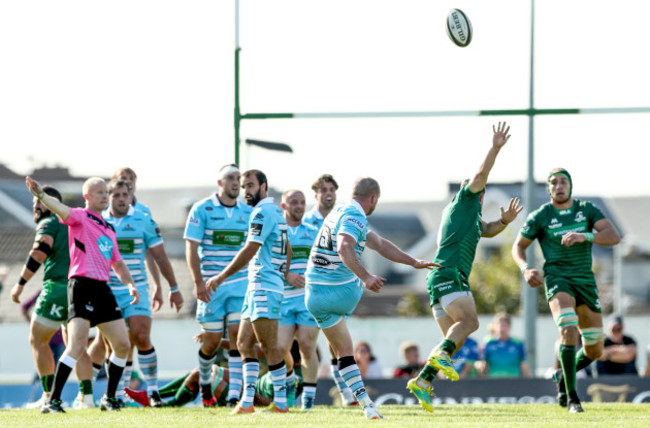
pixel 307 336
pixel 251 367
pixel 562 305
pixel 233 307
pixel 266 332
pixel 40 333
pixel 286 334
pixel 117 335
pixel 97 353
pixel 140 335
pixel 84 372
pixel 211 317
pixel 339 338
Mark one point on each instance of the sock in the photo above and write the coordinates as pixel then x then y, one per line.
pixel 205 365
pixel 279 379
pixel 172 387
pixel 449 346
pixel 114 374
pixel 352 376
pixel 251 369
pixel 308 391
pixel 338 380
pixel 148 361
pixel 183 396
pixel 96 369
pixel 236 375
pixel 46 383
pixel 291 378
pixel 63 370
pixel 86 387
pixel 428 374
pixel 582 361
pixel 567 356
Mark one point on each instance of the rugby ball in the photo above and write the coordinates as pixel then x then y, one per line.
pixel 459 29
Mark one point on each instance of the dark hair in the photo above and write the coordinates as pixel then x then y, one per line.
pixel 128 171
pixel 50 190
pixel 261 177
pixel 116 183
pixel 325 178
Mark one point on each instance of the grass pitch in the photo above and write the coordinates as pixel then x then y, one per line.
pixel 476 415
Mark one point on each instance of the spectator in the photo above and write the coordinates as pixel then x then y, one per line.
pixel 619 355
pixel 412 363
pixel 647 364
pixel 504 356
pixel 368 364
pixel 465 357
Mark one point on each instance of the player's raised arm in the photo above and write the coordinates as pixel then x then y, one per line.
pixel 499 139
pixel 53 204
pixel 392 252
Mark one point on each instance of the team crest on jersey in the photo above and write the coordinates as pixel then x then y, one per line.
pixel 128 227
pixel 355 222
pixel 580 217
pixel 105 246
pixel 554 224
pixel 259 216
pixel 194 221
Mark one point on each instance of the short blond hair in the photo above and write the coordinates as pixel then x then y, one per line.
pixel 92 181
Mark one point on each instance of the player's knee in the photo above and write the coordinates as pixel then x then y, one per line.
pixel 121 346
pixel 141 340
pixel 593 339
pixel 569 334
pixel 567 322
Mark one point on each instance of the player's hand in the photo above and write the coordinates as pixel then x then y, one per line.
pixel 202 293
pixel 198 338
pixel 423 264
pixel 176 300
pixel 514 208
pixel 374 283
pixel 157 300
pixel 133 291
pixel 296 280
pixel 16 290
pixel 34 187
pixel 214 282
pixel 500 135
pixel 533 277
pixel 573 238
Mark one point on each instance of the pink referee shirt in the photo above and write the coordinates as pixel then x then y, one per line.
pixel 93 246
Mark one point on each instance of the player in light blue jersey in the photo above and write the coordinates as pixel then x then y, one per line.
pixel 296 321
pixel 335 277
pixel 136 234
pixel 268 250
pixel 216 230
pixel 324 188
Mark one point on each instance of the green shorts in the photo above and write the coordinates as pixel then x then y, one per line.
pixel 585 292
pixel 445 280
pixel 52 303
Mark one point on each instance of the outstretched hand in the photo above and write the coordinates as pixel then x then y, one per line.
pixel 501 136
pixel 514 208
pixel 423 264
pixel 34 187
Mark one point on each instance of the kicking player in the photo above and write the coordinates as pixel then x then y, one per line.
pixel 335 277
pixel 452 303
pixel 215 231
pixel 137 234
pixel 565 228
pixel 51 312
pixel 296 320
pixel 325 188
pixel 269 252
pixel 93 252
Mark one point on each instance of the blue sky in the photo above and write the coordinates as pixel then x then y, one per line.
pixel 96 85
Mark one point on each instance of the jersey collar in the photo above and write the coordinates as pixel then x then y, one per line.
pixel 267 200
pixel 358 206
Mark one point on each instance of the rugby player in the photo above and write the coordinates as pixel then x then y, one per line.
pixel 451 300
pixel 566 229
pixel 215 231
pixel 268 250
pixel 335 278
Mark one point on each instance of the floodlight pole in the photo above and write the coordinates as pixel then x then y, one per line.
pixel 237 113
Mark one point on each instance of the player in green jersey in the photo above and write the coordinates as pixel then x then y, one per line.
pixel 451 299
pixel 564 228
pixel 51 312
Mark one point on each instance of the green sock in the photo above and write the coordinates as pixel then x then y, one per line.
pixel 428 373
pixel 172 387
pixel 448 346
pixel 568 361
pixel 46 382
pixel 183 396
pixel 86 387
pixel 582 360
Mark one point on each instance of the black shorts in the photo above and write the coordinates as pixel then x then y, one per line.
pixel 91 300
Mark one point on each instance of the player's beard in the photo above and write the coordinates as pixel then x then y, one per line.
pixel 40 214
pixel 254 199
